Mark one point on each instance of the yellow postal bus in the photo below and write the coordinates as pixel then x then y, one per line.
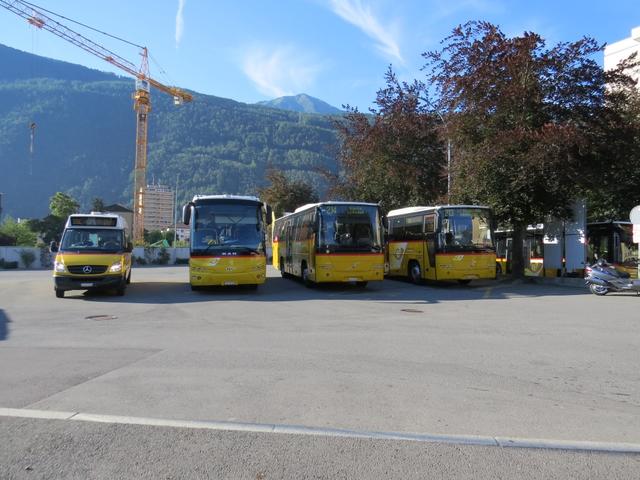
pixel 227 240
pixel 94 253
pixel 331 242
pixel 452 242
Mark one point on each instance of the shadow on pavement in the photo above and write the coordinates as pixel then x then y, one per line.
pixel 278 289
pixel 4 325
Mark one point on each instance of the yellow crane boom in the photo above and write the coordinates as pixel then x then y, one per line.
pixel 37 16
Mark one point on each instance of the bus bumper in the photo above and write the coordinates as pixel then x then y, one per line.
pixel 84 283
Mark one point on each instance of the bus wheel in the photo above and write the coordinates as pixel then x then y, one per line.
pixel 464 282
pixel 305 276
pixel 415 273
pixel 498 269
pixel 120 290
pixel 283 274
pixel 362 284
pixel 129 278
pixel 59 293
pixel 195 288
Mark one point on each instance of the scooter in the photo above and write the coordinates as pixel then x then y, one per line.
pixel 602 278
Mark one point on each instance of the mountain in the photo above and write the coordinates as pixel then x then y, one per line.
pixel 84 139
pixel 302 103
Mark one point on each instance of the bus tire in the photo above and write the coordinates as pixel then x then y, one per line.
pixel 59 293
pixel 121 288
pixel 362 284
pixel 195 288
pixel 498 269
pixel 414 272
pixel 305 276
pixel 464 282
pixel 283 274
pixel 129 277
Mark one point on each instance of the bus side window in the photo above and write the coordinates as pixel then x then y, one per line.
pixel 396 228
pixel 413 228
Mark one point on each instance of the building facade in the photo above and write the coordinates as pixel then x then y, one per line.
pixel 159 207
pixel 619 51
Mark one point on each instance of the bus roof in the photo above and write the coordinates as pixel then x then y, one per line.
pixel 96 219
pixel 409 210
pixel 311 205
pixel 226 197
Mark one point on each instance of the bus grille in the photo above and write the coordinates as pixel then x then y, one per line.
pixel 84 269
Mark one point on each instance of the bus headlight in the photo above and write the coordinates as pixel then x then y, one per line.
pixel 59 267
pixel 116 267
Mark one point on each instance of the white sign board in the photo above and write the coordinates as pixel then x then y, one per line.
pixel 634 216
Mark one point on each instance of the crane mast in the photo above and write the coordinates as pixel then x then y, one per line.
pixel 38 17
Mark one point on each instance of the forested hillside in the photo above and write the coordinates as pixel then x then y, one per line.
pixel 85 134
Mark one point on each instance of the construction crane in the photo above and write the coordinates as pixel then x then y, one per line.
pixel 37 16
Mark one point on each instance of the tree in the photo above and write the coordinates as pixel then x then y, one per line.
pixel 394 155
pixel 50 227
pixel 63 205
pixel 97 205
pixel 519 115
pixel 613 188
pixel 285 195
pixel 20 231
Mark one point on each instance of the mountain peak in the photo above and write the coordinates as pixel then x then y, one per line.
pixel 302 103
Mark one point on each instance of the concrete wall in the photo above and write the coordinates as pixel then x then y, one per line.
pixel 44 259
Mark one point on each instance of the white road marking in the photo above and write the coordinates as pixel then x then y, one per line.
pixel 505 442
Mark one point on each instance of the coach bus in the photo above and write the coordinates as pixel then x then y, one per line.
pixel 227 240
pixel 452 242
pixel 533 251
pixel 613 241
pixel 331 242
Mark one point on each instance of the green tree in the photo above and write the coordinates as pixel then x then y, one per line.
pixel 50 227
pixel 21 231
pixel 285 195
pixel 519 115
pixel 63 205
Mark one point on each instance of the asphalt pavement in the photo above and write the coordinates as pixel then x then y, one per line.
pixel 492 360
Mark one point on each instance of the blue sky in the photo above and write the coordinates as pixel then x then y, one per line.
pixel 336 50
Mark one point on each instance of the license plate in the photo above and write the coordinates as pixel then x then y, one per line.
pixel 86 284
pixel 229 284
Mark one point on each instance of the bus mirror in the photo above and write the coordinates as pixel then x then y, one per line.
pixel 269 215
pixel 385 222
pixel 53 246
pixel 186 213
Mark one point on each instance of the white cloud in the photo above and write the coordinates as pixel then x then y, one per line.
pixel 180 21
pixel 361 16
pixel 281 71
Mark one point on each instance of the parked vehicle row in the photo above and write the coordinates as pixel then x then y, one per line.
pixel 321 242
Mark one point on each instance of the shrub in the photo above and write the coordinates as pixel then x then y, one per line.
pixel 27 257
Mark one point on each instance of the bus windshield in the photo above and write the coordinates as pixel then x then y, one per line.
pixel 227 229
pixel 92 240
pixel 350 228
pixel 464 229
